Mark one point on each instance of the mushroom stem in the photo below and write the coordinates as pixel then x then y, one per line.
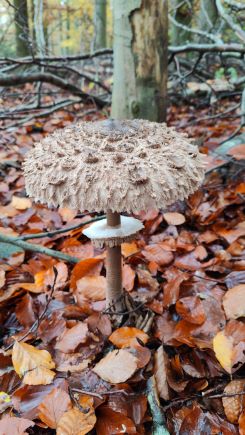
pixel 114 299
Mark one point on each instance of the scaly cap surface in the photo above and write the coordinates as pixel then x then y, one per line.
pixel 124 166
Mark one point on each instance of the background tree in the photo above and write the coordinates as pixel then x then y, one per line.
pixel 140 59
pixel 21 28
pixel 99 24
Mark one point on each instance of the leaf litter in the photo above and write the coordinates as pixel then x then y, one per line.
pixel 64 365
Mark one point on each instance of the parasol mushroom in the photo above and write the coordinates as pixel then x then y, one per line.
pixel 113 166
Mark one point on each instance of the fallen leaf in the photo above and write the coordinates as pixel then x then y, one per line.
pixel 234 405
pixel 128 277
pixel 127 337
pixel 112 422
pixel 20 203
pixel 2 278
pixel 234 302
pixel 90 288
pixel 238 152
pixel 54 405
pixel 223 348
pixel 174 218
pixel 241 422
pixel 160 372
pixel 71 338
pixel 129 249
pixel 158 254
pixel 75 422
pixel 32 364
pixel 87 267
pixel 45 279
pixel 14 425
pixel 117 366
pixel 190 309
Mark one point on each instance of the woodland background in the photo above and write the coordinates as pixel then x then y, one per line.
pixel 176 363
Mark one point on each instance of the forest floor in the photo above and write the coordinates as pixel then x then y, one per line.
pixel 185 273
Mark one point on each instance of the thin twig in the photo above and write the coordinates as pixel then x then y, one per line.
pixel 60 231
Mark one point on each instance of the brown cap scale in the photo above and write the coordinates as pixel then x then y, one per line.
pixel 113 166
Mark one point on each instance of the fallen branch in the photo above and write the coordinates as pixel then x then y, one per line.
pixel 17 79
pixel 203 48
pixel 37 248
pixel 227 17
pixel 60 231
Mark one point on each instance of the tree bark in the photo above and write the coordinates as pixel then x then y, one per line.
pixel 99 24
pixel 21 28
pixel 140 59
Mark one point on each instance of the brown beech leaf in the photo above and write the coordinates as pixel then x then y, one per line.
pixel 174 218
pixel 72 337
pixel 158 254
pixel 33 364
pixel 87 267
pixel 160 372
pixel 241 422
pixel 112 422
pixel 54 405
pixel 2 278
pixel 14 425
pixel 128 277
pixel 90 288
pixel 191 309
pixel 229 346
pixel 76 422
pixel 129 249
pixel 117 366
pixel 20 203
pixel 234 302
pixel 127 337
pixel 234 405
pixel 171 289
pixel 45 278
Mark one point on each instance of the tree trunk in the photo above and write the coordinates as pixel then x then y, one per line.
pixel 21 28
pixel 140 59
pixel 100 24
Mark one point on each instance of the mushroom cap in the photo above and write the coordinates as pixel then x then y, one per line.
pixel 102 234
pixel 124 166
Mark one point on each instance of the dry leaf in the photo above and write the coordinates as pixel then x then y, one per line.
pixel 88 267
pixel 32 364
pixel 117 366
pixel 127 337
pixel 234 405
pixel 111 422
pixel 174 218
pixel 160 372
pixel 14 426
pixel 72 337
pixel 45 278
pixel 158 254
pixel 128 277
pixel 2 278
pixel 20 203
pixel 241 422
pixel 223 348
pixel 129 249
pixel 90 288
pixel 234 302
pixel 75 422
pixel 54 405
